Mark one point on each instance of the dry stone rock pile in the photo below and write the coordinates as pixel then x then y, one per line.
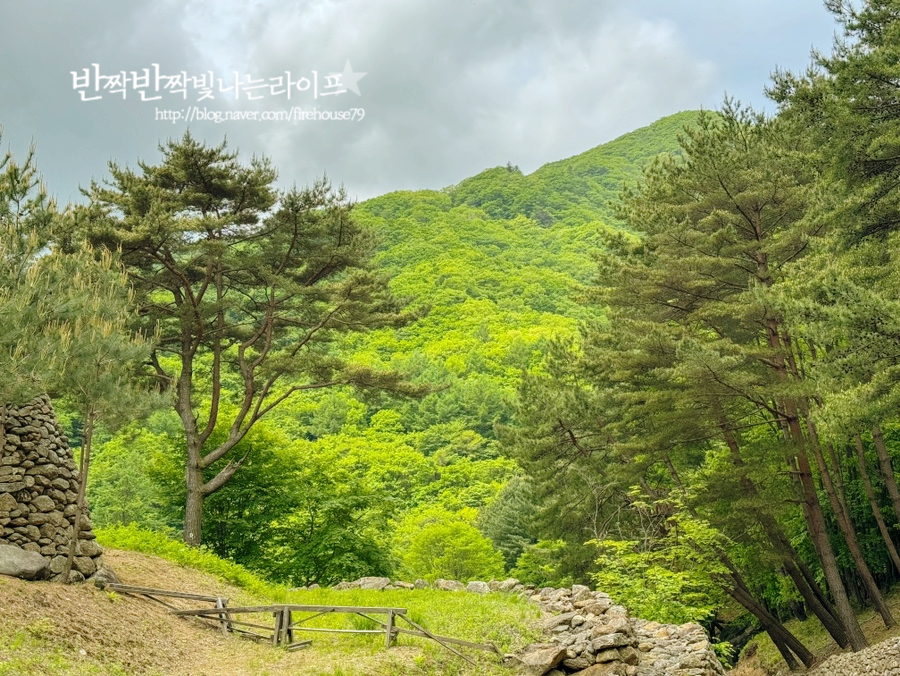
pixel 38 493
pixel 882 659
pixel 589 635
pixel 592 636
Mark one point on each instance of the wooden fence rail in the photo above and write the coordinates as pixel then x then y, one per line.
pixel 285 624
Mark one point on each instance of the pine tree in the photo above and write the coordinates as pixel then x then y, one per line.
pixel 249 290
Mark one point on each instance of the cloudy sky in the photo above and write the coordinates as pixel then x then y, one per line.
pixel 451 87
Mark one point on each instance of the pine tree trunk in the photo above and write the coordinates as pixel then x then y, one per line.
pixel 815 599
pixel 818 532
pixel 788 644
pixel 193 507
pixel 848 530
pixel 873 503
pixel 812 508
pixel 887 469
pixel 84 466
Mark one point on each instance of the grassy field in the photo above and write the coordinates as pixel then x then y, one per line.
pixel 56 630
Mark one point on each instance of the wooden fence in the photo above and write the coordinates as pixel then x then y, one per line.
pixel 248 620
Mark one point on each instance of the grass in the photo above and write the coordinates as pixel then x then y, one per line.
pixel 506 620
pixel 812 634
pixel 33 651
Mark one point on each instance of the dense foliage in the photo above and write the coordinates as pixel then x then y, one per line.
pixel 667 366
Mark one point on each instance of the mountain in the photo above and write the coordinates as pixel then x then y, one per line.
pixel 496 263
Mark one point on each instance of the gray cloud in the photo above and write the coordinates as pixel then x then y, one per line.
pixel 451 87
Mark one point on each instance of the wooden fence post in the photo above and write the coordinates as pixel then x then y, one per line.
pixel 389 629
pixel 224 617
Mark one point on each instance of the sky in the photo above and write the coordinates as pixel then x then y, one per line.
pixel 384 94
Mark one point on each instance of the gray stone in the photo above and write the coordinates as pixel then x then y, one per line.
pixel 610 655
pixel 477 587
pixel 508 584
pixel 93 549
pixel 629 655
pixel 44 503
pixel 538 660
pixel 449 585
pixel 420 584
pixel 12 487
pixel 18 562
pixel 577 663
pixel 558 620
pixel 104 576
pixel 85 565
pixel 7 503
pixel 373 582
pixel 616 640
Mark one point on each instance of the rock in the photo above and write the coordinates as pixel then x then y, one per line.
pixel 539 659
pixel 17 562
pixel 576 663
pixel 477 587
pixel 610 655
pixel 552 623
pixel 44 503
pixel 104 576
pixel 7 503
pixel 12 487
pixel 608 669
pixel 420 584
pixel 449 585
pixel 399 584
pixel 89 548
pixel 75 576
pixel 508 584
pixel 615 625
pixel 84 565
pixel 629 655
pixel 607 641
pixel 374 582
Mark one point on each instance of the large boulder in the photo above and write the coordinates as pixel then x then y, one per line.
pixel 18 562
pixel 536 660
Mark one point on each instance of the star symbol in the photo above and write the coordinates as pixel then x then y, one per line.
pixel 349 79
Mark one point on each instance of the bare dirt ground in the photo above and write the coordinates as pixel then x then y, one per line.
pixel 144 638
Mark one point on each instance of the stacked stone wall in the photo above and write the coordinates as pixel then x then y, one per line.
pixel 39 490
pixel 587 634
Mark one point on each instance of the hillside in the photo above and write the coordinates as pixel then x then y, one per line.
pixel 56 630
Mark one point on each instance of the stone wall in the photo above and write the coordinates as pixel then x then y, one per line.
pixel 881 659
pixel 38 492
pixel 587 633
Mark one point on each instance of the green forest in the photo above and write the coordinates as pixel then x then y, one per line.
pixel 668 367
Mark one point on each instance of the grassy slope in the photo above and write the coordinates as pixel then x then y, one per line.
pixel 761 658
pixel 53 630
